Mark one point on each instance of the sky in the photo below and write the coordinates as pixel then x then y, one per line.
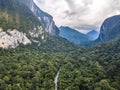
pixel 83 15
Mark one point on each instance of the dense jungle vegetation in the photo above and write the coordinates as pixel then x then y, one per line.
pixel 34 68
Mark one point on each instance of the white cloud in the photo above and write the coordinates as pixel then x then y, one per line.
pixel 80 14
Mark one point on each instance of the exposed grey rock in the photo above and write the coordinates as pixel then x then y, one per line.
pixel 45 18
pixel 110 28
pixel 12 38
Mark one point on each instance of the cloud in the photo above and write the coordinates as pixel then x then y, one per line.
pixel 80 14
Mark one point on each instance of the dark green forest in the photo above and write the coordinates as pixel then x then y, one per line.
pixel 34 68
pixel 16 15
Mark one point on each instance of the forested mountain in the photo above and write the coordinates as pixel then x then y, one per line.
pixel 22 22
pixel 15 15
pixel 46 19
pixel 73 35
pixel 19 25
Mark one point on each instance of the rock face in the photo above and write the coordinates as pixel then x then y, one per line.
pixel 19 26
pixel 12 38
pixel 110 28
pixel 73 35
pixel 45 18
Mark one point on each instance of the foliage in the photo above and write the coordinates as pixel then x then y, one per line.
pixel 95 68
pixel 31 68
pixel 15 15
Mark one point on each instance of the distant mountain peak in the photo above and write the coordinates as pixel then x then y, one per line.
pixel 45 18
pixel 92 31
pixel 93 34
pixel 110 28
pixel 73 35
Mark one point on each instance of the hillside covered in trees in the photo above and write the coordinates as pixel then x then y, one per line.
pixel 31 68
pixel 16 15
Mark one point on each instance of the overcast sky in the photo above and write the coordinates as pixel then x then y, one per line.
pixel 80 14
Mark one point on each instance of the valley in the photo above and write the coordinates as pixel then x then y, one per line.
pixel 35 68
pixel 35 54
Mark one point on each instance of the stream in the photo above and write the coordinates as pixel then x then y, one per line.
pixel 56 79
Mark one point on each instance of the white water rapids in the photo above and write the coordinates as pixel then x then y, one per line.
pixel 56 79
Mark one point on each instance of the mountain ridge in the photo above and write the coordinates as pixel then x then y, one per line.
pixel 73 35
pixel 45 18
pixel 110 28
pixel 19 25
pixel 93 34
